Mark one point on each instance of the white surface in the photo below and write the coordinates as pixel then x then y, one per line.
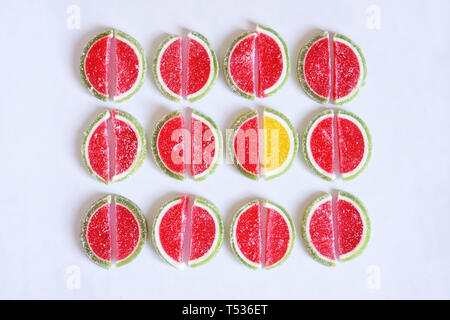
pixel 46 190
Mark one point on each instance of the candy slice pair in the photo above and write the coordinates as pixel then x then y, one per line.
pixel 247 234
pixel 315 68
pixel 170 231
pixel 113 217
pixel 129 146
pixel 257 63
pixel 340 233
pixel 201 67
pixel 96 65
pixel 280 144
pixel 353 144
pixel 171 138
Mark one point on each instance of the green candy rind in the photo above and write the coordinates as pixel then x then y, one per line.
pixel 84 242
pixel 142 226
pixel 225 68
pixel 83 145
pixel 168 94
pixel 230 142
pixel 215 211
pixel 165 204
pixel 304 141
pixel 364 216
pixel 369 141
pixel 300 68
pixel 232 240
pixel 296 142
pixel 143 153
pixel 288 65
pixel 155 145
pixel 219 149
pixel 140 51
pixel 216 65
pixel 363 60
pixel 83 57
pixel 291 244
pixel 308 245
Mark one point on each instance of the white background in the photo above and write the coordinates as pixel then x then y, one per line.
pixel 45 189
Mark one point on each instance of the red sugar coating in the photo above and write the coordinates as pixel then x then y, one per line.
pixel 203 232
pixel 347 70
pixel 277 237
pixel 96 65
pixel 198 67
pixel 126 145
pixel 171 144
pixel 350 145
pixel 349 226
pixel 321 230
pixel 171 230
pixel 127 67
pixel 127 232
pixel 270 62
pixel 171 67
pixel 248 233
pixel 202 146
pixel 246 145
pixel 99 233
pixel 241 64
pixel 98 151
pixel 317 68
pixel 322 144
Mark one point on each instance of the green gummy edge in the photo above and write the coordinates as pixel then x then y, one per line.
pixel 304 141
pixel 230 141
pixel 288 69
pixel 225 68
pixel 155 147
pixel 164 205
pixel 83 145
pixel 214 211
pixel 306 214
pixel 84 243
pixel 295 135
pixel 291 244
pixel 300 68
pixel 141 156
pixel 369 140
pixel 142 226
pixel 363 82
pixel 216 64
pixel 214 165
pixel 232 240
pixel 138 47
pixel 83 57
pixel 365 216
pixel 168 94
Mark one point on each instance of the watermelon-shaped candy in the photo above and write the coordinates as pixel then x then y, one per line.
pixel 170 231
pixel 257 63
pixel 170 141
pixel 340 233
pixel 97 232
pixel 130 146
pixel 243 144
pixel 206 145
pixel 97 70
pixel 246 234
pixel 201 67
pixel 315 68
pixel 280 142
pixel 351 139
